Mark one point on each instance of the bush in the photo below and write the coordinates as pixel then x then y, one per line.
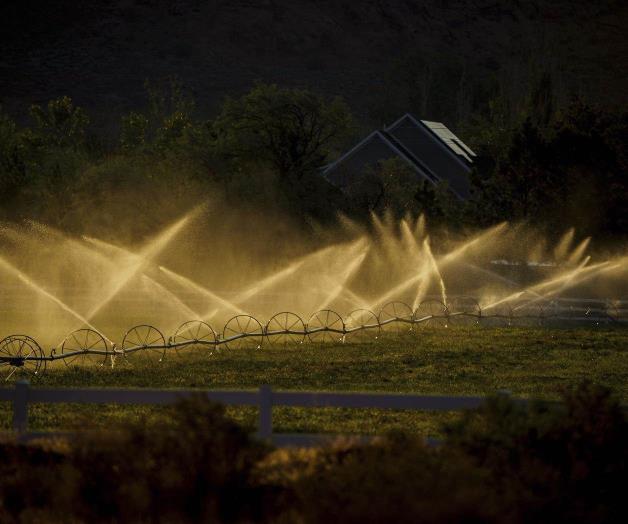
pixel 502 463
pixel 397 479
pixel 552 463
pixel 191 465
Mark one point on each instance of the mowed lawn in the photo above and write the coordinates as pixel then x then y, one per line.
pixel 529 362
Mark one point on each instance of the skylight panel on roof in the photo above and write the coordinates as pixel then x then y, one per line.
pixel 452 141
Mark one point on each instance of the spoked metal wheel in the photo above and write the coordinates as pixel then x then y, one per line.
pixel 464 310
pixel 285 330
pixel 85 347
pixel 431 312
pixel 325 326
pixel 144 342
pixel 20 357
pixel 362 325
pixel 395 317
pixel 245 331
pixel 195 333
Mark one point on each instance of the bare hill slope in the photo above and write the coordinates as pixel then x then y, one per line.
pixel 100 53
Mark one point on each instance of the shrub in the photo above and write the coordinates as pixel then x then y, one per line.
pixel 552 463
pixel 502 463
pixel 191 465
pixel 505 462
pixel 397 479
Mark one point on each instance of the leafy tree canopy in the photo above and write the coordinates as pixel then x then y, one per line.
pixel 291 130
pixel 60 123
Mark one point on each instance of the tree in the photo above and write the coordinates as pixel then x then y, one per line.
pixel 166 124
pixel 39 165
pixel 60 124
pixel 392 186
pixel 290 130
pixel 13 174
pixel 572 172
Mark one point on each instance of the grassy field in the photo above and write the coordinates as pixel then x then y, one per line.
pixel 530 362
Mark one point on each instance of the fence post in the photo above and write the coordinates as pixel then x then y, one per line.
pixel 20 406
pixel 265 412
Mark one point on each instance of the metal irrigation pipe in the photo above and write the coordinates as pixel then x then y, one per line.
pixel 18 361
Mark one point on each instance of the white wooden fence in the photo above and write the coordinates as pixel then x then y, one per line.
pixel 264 398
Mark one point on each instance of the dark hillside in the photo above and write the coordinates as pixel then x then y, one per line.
pixel 438 58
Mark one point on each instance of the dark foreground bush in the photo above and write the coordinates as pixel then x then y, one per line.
pixel 190 466
pixel 397 479
pixel 549 464
pixel 502 463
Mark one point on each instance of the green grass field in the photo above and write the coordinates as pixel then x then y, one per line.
pixel 530 362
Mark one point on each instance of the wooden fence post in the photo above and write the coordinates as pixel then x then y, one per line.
pixel 265 412
pixel 20 406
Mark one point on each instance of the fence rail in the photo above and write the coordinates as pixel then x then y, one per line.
pixel 22 395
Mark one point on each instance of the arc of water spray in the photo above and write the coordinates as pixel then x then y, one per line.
pixel 255 289
pixel 171 296
pixel 384 234
pixel 355 299
pixel 145 278
pixel 145 257
pixel 419 228
pixel 252 290
pixel 7 266
pixel 273 279
pixel 429 268
pixel 425 267
pixel 563 245
pixel 442 261
pixel 89 250
pixel 351 269
pixel 435 271
pixel 564 282
pixel 537 288
pixel 258 287
pixel 564 279
pixel 492 274
pixel 190 284
pixel 577 277
pixel 577 253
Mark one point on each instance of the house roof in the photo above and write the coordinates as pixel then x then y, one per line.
pixel 393 146
pixel 429 148
pixel 441 134
pixel 454 143
pixel 438 149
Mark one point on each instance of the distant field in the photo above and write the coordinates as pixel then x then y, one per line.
pixel 530 362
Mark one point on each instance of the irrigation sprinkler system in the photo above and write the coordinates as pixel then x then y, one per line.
pixel 22 355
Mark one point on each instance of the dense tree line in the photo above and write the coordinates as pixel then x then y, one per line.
pixel 550 165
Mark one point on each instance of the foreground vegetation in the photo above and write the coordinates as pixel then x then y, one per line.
pixel 502 463
pixel 529 362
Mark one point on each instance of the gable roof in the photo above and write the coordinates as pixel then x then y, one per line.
pixel 387 142
pixel 430 149
pixel 438 149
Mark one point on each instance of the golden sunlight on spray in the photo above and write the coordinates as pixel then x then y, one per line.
pixel 214 266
